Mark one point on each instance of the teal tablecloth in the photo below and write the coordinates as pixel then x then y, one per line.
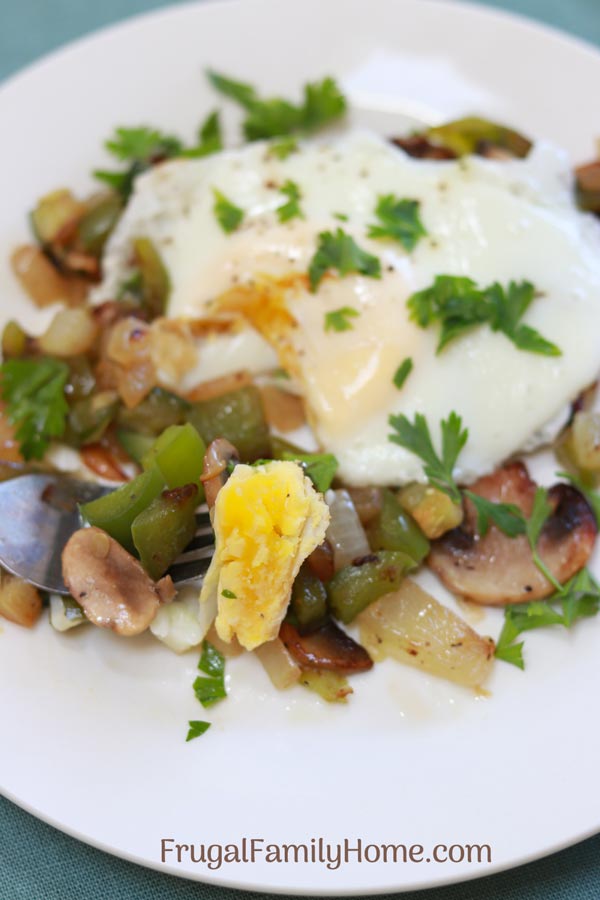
pixel 39 863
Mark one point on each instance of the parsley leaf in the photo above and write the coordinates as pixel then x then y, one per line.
pixel 228 594
pixel 337 319
pixel 322 103
pixel 399 220
pixel 578 598
pixel 417 438
pixel 340 251
pixel 320 467
pixel 196 729
pixel 284 148
pixel 209 690
pixel 212 662
pixel 290 209
pixel 228 215
pixel 34 392
pixel 542 508
pixel 210 139
pixel 141 148
pixel 143 143
pixel 459 305
pixel 402 372
pixel 505 516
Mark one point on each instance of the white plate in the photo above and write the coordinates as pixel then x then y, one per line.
pixel 93 727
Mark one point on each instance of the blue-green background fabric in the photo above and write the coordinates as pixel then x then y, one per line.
pixel 39 863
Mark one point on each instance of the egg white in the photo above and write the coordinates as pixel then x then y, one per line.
pixel 491 221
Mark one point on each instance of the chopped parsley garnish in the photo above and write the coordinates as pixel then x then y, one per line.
pixel 211 688
pixel 196 729
pixel 505 516
pixel 339 319
pixel 459 305
pixel 402 372
pixel 320 467
pixel 291 208
pixel 142 143
pixel 578 598
pixel 342 217
pixel 417 438
pixel 399 220
pixel 284 147
pixel 210 139
pixel 228 594
pixel 143 147
pixel 340 251
pixel 34 392
pixel 228 215
pixel 322 103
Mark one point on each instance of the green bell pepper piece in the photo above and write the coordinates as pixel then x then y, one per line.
pixel 155 413
pixel 308 607
pixel 165 528
pixel 179 456
pixel 98 222
pixel 89 418
pixel 135 444
pixel 116 512
pixel 237 416
pixel 155 282
pixel 354 587
pixel 394 529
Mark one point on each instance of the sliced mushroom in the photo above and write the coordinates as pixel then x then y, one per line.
pixel 110 584
pixel 419 146
pixel 497 570
pixel 329 649
pixel 219 456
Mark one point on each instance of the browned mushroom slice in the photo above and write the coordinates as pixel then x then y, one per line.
pixel 110 584
pixel 497 570
pixel 219 456
pixel 420 147
pixel 329 649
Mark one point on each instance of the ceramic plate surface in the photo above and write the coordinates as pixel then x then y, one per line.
pixel 93 726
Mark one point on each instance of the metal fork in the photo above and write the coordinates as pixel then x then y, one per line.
pixel 38 515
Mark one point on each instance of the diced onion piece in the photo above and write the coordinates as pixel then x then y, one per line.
pixel 367 502
pixel 182 624
pixel 65 613
pixel 207 390
pixel 41 280
pixel 229 649
pixel 283 410
pixel 329 686
pixel 433 510
pixel 345 533
pixel 279 664
pixel 101 461
pixel 72 332
pixel 412 627
pixel 20 602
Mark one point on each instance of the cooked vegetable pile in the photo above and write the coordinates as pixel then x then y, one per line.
pixel 311 575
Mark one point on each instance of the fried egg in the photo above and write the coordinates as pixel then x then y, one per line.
pixel 489 220
pixel 267 519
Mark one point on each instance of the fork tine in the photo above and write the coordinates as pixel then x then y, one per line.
pixel 182 572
